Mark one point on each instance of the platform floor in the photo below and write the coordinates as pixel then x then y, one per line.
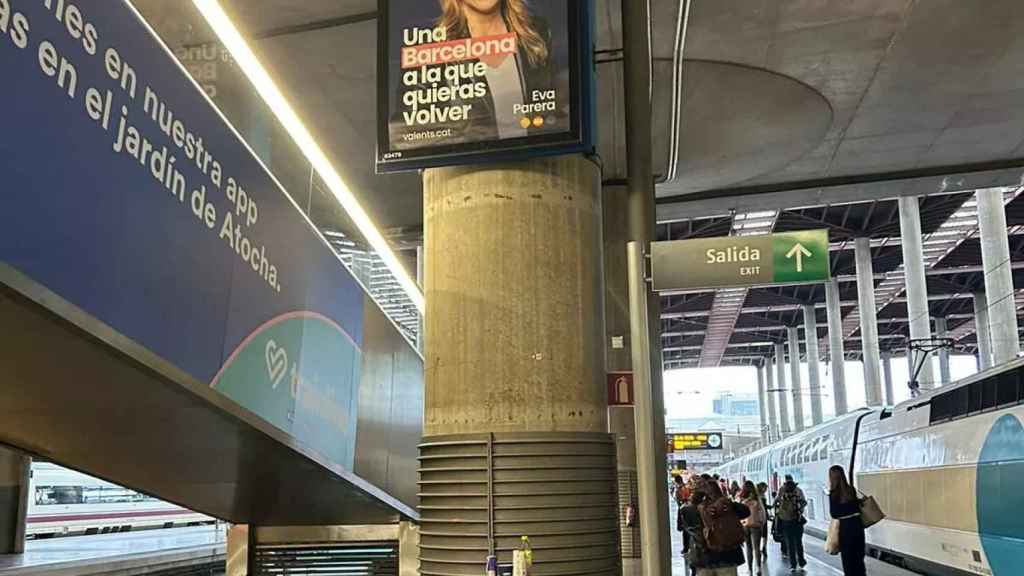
pixel 168 547
pixel 819 563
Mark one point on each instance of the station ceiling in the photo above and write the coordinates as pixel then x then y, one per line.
pixel 820 112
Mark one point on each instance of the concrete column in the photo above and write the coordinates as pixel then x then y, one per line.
pixel 887 374
pixel 868 322
pixel 780 387
pixel 995 259
pixel 773 415
pixel 983 331
pixel 836 353
pixel 794 378
pixel 514 330
pixel 762 404
pixel 14 486
pixel 917 289
pixel 942 331
pixel 813 364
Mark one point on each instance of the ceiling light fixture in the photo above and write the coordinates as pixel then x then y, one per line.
pixel 275 100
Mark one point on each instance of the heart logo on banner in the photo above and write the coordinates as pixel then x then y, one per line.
pixel 277 362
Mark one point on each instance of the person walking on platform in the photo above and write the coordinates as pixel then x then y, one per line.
pixel 753 526
pixel 682 497
pixel 845 507
pixel 716 532
pixel 789 512
pixel 762 491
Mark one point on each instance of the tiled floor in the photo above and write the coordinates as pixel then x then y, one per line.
pixel 818 562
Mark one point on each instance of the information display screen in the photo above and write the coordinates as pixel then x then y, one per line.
pixel 694 441
pixel 461 81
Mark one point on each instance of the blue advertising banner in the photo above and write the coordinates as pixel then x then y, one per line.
pixel 127 194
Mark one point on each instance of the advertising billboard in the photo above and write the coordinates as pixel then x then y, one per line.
pixel 129 197
pixel 461 81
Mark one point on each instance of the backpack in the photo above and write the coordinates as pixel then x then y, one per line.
pixel 722 529
pixel 757 517
pixel 788 508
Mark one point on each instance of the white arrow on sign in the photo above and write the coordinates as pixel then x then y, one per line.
pixel 799 251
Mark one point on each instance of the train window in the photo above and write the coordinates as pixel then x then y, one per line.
pixel 988 393
pixel 974 398
pixel 997 391
pixel 88 494
pixel 960 402
pixel 941 408
pixel 1008 393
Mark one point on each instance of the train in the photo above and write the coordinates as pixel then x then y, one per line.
pixel 63 502
pixel 947 467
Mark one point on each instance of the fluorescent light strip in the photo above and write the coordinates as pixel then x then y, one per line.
pixel 267 89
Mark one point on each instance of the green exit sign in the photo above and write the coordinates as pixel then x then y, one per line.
pixel 737 261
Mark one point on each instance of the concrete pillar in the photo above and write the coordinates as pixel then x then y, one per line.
pixel 762 404
pixel 887 375
pixel 983 331
pixel 773 414
pixel 942 332
pixel 780 387
pixel 794 378
pixel 868 322
pixel 15 468
pixel 995 259
pixel 813 364
pixel 514 341
pixel 917 289
pixel 836 353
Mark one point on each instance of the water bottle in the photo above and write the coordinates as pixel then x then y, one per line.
pixel 492 566
pixel 522 559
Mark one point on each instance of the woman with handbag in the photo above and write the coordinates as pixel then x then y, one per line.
pixel 753 526
pixel 845 506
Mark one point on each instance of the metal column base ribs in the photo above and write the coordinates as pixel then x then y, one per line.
pixel 479 493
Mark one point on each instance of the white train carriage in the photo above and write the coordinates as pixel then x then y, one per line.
pixel 63 502
pixel 947 467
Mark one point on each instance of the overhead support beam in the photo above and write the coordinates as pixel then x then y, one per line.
pixel 841 190
pixel 995 257
pixel 780 390
pixel 942 332
pixel 868 322
pixel 951 271
pixel 983 330
pixel 813 364
pixel 836 354
pixel 773 414
pixel 792 306
pixel 917 289
pixel 794 379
